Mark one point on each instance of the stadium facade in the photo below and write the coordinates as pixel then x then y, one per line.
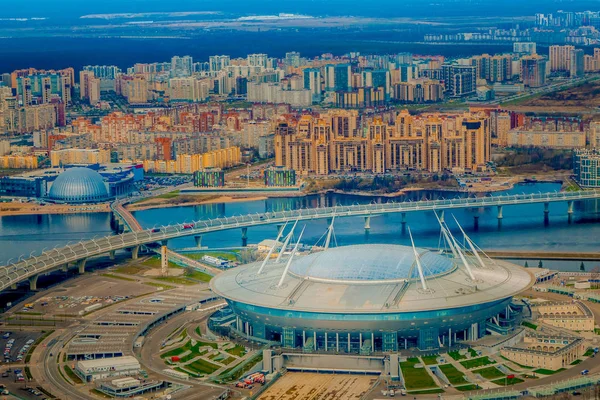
pixel 374 297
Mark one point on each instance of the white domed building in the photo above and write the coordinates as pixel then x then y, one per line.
pixel 373 297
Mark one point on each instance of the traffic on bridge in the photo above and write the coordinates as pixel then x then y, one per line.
pixel 31 267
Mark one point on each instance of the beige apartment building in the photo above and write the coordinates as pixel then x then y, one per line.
pixel 432 142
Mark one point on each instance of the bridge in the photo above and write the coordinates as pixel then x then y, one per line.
pixel 32 267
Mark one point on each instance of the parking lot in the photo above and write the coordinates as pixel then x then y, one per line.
pixel 88 294
pixel 14 347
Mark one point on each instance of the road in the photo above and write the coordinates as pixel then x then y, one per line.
pixel 151 360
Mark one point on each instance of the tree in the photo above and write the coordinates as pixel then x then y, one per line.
pixel 582 267
pixel 541 264
pixel 526 264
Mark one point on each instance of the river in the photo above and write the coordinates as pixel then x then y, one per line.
pixel 522 227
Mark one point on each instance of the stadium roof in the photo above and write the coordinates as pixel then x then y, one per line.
pixel 357 263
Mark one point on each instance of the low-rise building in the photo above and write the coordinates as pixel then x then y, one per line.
pixel 545 351
pixel 574 316
pixel 91 370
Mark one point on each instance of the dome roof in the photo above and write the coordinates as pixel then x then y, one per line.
pixel 79 185
pixel 370 262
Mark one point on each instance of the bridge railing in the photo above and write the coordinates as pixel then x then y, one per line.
pixel 23 269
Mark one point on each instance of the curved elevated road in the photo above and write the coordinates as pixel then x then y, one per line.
pixel 30 268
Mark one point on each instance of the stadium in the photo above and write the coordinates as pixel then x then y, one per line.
pixel 374 297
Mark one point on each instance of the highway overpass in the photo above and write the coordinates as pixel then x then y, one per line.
pixel 29 268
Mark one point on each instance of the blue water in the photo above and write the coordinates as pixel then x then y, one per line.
pixel 522 228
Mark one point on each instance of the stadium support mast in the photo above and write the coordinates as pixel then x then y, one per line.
pixel 418 261
pixel 471 245
pixel 286 242
pixel 455 247
pixel 287 266
pixel 271 250
pixel 329 233
pixel 447 237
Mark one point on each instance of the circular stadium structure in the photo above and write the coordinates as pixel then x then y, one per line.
pixel 79 185
pixel 374 297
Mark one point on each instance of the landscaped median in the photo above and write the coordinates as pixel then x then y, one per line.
pixel 455 377
pixel 417 378
pixel 476 362
pixel 199 358
pixel 489 373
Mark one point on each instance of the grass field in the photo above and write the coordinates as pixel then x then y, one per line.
pixel 430 360
pixel 202 367
pixel 220 254
pixel 508 381
pixel 416 378
pixel 174 279
pixel 238 350
pixel 199 276
pixel 466 388
pixel 476 362
pixel 72 375
pixel 454 375
pixel 529 325
pixel 457 356
pixel 545 371
pixel 154 262
pixel 489 373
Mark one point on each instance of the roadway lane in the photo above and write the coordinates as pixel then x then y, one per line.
pixel 150 359
pixel 57 258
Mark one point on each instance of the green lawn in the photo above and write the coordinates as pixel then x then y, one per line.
pixel 489 372
pixel 154 262
pixel 249 364
pixel 123 278
pixel 576 362
pixel 516 363
pixel 72 375
pixel 430 360
pixel 466 388
pixel 192 355
pixel 473 352
pixel 219 254
pixel 457 356
pixel 508 381
pixel 476 362
pixel 199 276
pixel 454 376
pixel 545 371
pixel 177 351
pixel 529 325
pixel 194 350
pixel 201 344
pixel 588 352
pixel 416 378
pixel 202 367
pixel 237 351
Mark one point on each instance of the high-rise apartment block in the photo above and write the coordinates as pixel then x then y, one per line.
pixel 460 80
pixel 533 71
pixel 433 142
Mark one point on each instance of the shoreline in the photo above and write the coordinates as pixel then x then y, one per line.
pixel 17 209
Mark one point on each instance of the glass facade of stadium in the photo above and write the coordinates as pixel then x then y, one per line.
pixel 372 298
pixel 364 333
